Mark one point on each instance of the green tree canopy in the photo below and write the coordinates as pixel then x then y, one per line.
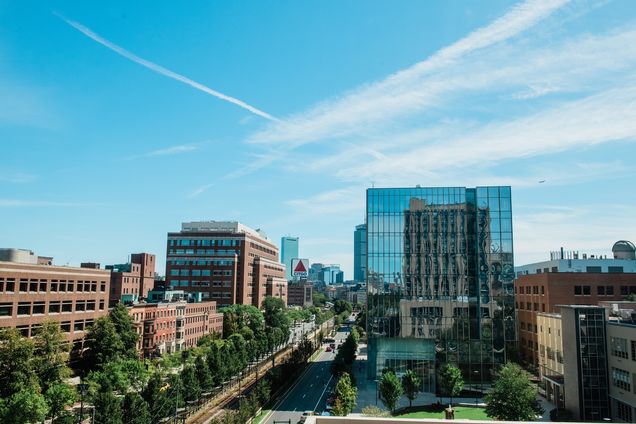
pixel 191 387
pixel 24 407
pixel 513 397
pixel 346 394
pixel 125 327
pixel 390 389
pixel 58 396
pixel 411 383
pixel 51 355
pixel 451 381
pixel 342 306
pixel 135 409
pixel 274 312
pixel 107 408
pixel 103 342
pixel 16 363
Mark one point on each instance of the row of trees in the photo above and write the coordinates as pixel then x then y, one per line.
pixel 512 398
pixel 343 362
pixel 32 376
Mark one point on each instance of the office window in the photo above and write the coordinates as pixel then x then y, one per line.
pixel 24 308
pixel 33 286
pixel 67 306
pixel 6 310
pixel 578 290
pixel 609 290
pixel 24 286
pixel 593 269
pixel 101 305
pixel 542 289
pixel 618 347
pixel 620 379
pixel 600 290
pixel 633 342
pixel 623 411
pixel 38 308
pixel 79 326
pixel 615 269
pixel 587 290
pixel 55 307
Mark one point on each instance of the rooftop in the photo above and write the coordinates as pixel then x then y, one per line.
pixel 222 226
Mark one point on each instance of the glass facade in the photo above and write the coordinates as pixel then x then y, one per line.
pixel 593 388
pixel 360 253
pixel 440 281
pixel 288 251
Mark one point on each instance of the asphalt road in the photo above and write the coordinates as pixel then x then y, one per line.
pixel 309 393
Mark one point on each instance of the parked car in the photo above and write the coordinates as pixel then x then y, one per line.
pixel 328 349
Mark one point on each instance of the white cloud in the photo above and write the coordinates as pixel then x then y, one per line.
pixel 404 92
pixel 19 203
pixel 591 228
pixel 161 70
pixel 168 151
pixel 17 178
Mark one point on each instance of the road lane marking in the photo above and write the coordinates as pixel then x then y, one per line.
pixel 323 393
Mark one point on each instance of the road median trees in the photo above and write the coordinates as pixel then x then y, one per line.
pixel 346 395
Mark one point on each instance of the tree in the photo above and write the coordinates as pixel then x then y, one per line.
pixel 203 374
pixel 154 395
pixel 513 397
pixel 51 352
pixel 346 394
pixel 411 383
pixel 126 331
pixel 191 388
pixel 103 342
pixel 451 381
pixel 57 397
pixel 25 406
pixel 135 409
pixel 342 306
pixel 16 360
pixel 390 389
pixel 107 408
pixel 275 316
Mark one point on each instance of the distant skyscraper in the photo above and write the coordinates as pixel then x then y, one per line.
pixel 360 253
pixel 288 251
pixel 440 281
pixel 331 274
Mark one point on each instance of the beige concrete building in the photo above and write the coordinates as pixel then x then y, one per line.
pixel 551 356
pixel 621 346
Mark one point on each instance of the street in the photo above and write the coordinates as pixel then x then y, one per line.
pixel 309 392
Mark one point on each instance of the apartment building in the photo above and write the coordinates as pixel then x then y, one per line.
pixel 224 261
pixel 168 327
pixel 32 292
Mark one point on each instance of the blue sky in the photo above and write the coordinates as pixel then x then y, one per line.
pixel 119 120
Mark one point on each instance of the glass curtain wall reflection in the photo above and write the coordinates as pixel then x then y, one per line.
pixel 440 281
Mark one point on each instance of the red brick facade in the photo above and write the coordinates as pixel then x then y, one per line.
pixel 543 292
pixel 173 326
pixel 31 294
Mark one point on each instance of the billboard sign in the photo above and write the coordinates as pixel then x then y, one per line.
pixel 300 268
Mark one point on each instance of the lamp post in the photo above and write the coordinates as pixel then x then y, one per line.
pixel 377 390
pixel 83 389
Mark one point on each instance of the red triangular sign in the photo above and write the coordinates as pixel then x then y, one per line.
pixel 300 267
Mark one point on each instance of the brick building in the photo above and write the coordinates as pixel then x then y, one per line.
pixel 227 262
pixel 132 281
pixel 536 293
pixel 300 294
pixel 169 327
pixel 31 293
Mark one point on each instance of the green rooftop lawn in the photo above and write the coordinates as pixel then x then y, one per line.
pixel 461 412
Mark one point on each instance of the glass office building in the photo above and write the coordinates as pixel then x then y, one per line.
pixel 440 281
pixel 360 253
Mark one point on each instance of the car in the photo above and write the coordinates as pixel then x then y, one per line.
pixel 332 345
pixel 328 349
pixel 306 414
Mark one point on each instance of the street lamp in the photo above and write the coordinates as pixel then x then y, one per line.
pixel 377 390
pixel 83 389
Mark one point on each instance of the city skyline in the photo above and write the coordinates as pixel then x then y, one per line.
pixel 122 121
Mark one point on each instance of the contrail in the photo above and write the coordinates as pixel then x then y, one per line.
pixel 160 69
